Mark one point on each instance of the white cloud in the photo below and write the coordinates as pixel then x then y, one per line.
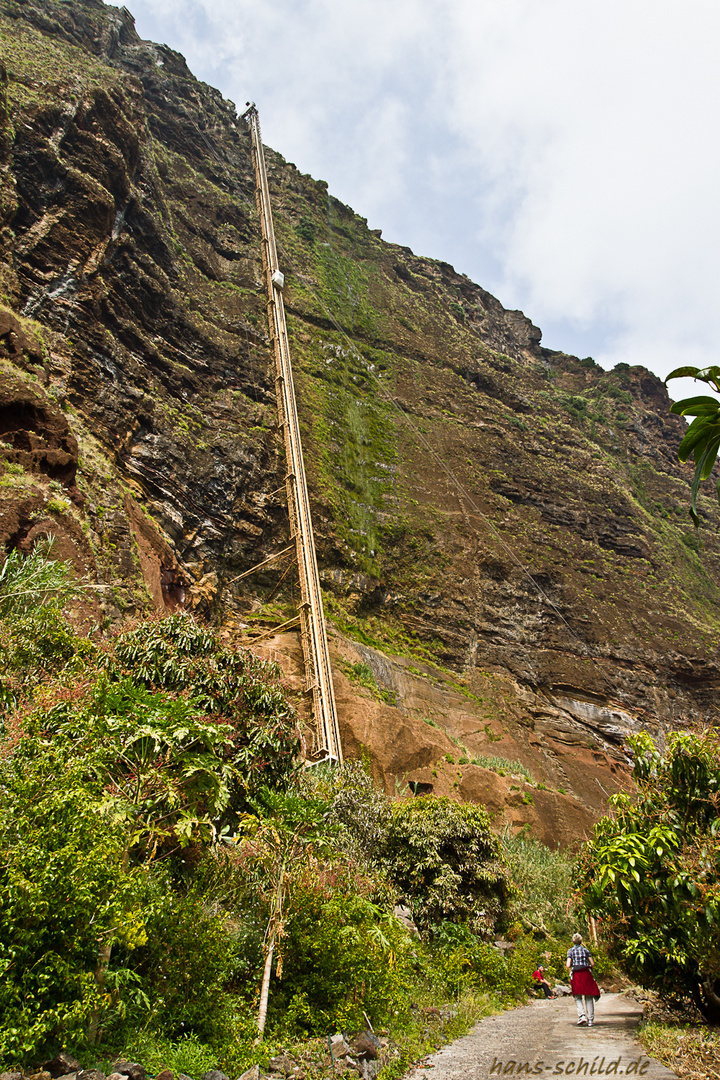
pixel 595 120
pixel 563 154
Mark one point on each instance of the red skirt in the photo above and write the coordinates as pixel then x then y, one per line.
pixel 582 983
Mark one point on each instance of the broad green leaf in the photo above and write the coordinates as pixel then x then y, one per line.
pixel 701 401
pixel 683 373
pixel 694 435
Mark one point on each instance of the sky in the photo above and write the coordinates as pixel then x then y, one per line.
pixel 564 154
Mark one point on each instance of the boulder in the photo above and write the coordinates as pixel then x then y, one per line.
pixel 505 947
pixel 133 1070
pixel 404 915
pixel 366 1046
pixel 339 1047
pixel 62 1064
pixel 431 1012
pixel 283 1064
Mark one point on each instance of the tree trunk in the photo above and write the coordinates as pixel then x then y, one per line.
pixel 707 1001
pixel 100 973
pixel 275 921
pixel 265 988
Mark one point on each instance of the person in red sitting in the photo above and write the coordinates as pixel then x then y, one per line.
pixel 539 977
pixel 583 986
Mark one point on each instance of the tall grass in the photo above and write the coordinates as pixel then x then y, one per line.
pixel 544 882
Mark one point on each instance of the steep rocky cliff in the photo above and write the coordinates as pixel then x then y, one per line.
pixel 509 569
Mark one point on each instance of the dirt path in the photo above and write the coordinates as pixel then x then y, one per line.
pixel 542 1039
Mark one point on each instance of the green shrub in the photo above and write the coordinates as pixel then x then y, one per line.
pixel 445 862
pixel 501 765
pixel 63 894
pixel 464 961
pixel 186 967
pixel 187 1055
pixel 344 954
pixel 178 655
pixel 362 673
pixel 35 647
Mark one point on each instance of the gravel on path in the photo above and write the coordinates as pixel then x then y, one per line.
pixel 543 1039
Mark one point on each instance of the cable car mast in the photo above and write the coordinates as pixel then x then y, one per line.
pixel 312 619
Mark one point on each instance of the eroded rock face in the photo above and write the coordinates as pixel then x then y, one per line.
pixel 36 435
pixel 505 526
pixel 488 741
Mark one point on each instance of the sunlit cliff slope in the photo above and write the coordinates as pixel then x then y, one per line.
pixel 509 569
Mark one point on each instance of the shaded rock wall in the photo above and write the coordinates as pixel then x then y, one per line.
pixel 502 530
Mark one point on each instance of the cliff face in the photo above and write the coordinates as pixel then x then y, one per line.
pixel 509 568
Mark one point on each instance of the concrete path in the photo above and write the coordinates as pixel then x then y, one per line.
pixel 543 1039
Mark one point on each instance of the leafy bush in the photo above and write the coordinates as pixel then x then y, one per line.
pixel 440 856
pixel 95 791
pixel 359 807
pixel 63 894
pixel 186 967
pixel 446 863
pixel 34 648
pixel 178 655
pixel 344 953
pixel 464 961
pixel 652 870
pixel 157 765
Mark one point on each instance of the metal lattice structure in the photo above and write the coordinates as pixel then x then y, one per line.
pixel 312 618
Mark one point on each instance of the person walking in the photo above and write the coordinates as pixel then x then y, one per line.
pixel 584 988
